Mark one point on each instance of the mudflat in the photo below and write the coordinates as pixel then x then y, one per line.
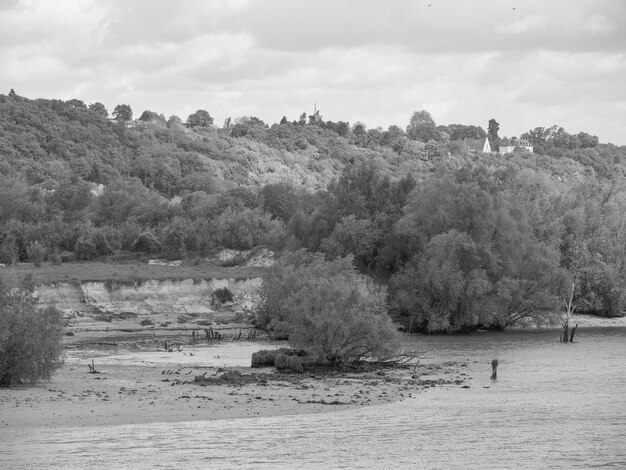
pixel 202 382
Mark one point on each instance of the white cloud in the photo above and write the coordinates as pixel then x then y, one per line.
pixel 524 25
pixel 466 62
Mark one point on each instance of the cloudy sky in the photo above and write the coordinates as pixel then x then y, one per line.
pixel 526 63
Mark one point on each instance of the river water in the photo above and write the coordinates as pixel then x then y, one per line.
pixel 553 406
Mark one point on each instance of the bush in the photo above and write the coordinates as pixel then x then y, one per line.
pixel 9 251
pixel 326 309
pixel 245 229
pixel 36 252
pixel 147 242
pixel 85 249
pixel 146 322
pixel 223 295
pixel 30 339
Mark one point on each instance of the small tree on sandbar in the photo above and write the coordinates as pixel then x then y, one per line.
pixel 567 316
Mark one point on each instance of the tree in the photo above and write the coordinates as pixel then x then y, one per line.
pixel 445 288
pixel 36 253
pixel 30 338
pixel 422 127
pixel 75 103
pixel 151 116
pixel 395 138
pixel 359 134
pixel 99 109
pixel 492 133
pixel 493 128
pixel 200 118
pixel 326 310
pixel 587 140
pixel 123 113
pixel 461 131
pixel 358 237
pixel 566 316
pixel 9 250
pixel 174 122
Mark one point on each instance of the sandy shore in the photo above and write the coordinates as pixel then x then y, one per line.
pixel 593 321
pixel 140 382
pixel 157 386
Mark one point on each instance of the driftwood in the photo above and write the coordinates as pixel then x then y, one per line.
pixel 92 368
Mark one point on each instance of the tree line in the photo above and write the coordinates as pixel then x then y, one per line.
pixel 460 240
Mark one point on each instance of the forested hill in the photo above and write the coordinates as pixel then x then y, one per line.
pixel 411 204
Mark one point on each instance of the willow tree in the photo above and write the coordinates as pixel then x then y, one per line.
pixel 30 338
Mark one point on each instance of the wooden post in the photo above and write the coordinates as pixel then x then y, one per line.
pixel 494 369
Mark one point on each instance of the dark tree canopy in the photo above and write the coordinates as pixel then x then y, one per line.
pixel 200 118
pixel 99 109
pixel 493 128
pixel 123 113
pixel 74 103
pixel 422 127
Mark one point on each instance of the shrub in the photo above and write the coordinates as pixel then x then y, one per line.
pixel 30 338
pixel 146 322
pixel 91 244
pixel 55 258
pixel 9 251
pixel 325 310
pixel 36 252
pixel 245 229
pixel 85 249
pixel 223 295
pixel 147 242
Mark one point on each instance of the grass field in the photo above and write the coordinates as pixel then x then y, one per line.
pixel 125 272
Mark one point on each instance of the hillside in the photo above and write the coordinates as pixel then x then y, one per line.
pixel 511 229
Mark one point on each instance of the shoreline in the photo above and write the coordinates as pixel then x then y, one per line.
pixel 140 383
pixel 135 387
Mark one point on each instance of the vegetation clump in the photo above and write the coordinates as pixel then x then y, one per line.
pixel 325 309
pixel 223 295
pixel 30 338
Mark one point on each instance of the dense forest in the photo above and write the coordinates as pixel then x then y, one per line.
pixel 461 239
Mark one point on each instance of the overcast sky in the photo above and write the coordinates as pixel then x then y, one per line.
pixel 526 63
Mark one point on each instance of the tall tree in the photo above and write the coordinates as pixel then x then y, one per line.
pixel 123 113
pixel 492 133
pixel 422 127
pixel 200 118
pixel 99 109
pixel 493 128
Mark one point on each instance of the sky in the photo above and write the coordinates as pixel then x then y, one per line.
pixel 525 63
